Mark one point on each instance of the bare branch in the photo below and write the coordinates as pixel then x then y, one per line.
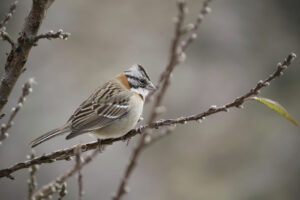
pixel 3 34
pixel 79 178
pixel 63 192
pixel 53 35
pixel 27 89
pixel 192 33
pixel 6 37
pixel 8 16
pixel 179 21
pixel 32 183
pixel 179 44
pixel 56 185
pixel 17 57
pixel 65 154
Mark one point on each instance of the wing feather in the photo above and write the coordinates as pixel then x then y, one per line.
pixel 105 105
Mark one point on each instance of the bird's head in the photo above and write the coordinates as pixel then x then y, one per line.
pixel 139 81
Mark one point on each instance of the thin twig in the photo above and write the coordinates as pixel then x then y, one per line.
pixel 8 16
pixel 179 44
pixel 53 35
pixel 78 162
pixel 65 154
pixel 192 33
pixel 56 185
pixel 3 34
pixel 6 37
pixel 179 21
pixel 27 89
pixel 63 191
pixel 32 183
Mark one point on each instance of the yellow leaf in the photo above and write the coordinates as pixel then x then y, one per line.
pixel 275 106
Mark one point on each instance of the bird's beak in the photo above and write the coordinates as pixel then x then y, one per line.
pixel 151 86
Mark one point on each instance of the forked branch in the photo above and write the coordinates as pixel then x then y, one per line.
pixel 26 90
pixel 58 185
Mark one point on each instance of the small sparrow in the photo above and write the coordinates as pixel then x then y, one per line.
pixel 111 111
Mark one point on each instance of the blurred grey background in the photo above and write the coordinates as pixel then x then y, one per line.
pixel 249 154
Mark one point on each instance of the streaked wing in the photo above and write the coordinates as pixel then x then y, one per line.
pixel 105 105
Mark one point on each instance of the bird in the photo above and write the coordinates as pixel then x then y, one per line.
pixel 110 111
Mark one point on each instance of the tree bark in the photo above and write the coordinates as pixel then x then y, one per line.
pixel 18 55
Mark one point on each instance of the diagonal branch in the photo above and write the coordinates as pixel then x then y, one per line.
pixel 63 191
pixel 195 26
pixel 79 178
pixel 17 57
pixel 179 21
pixel 8 16
pixel 179 45
pixel 66 154
pixel 27 89
pixel 6 37
pixel 3 34
pixel 57 184
pixel 32 182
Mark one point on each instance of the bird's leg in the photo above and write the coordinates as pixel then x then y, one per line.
pixel 128 140
pixel 124 139
pixel 100 148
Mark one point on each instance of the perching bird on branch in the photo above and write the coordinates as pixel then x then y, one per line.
pixel 111 111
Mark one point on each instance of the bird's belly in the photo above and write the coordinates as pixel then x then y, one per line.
pixel 121 126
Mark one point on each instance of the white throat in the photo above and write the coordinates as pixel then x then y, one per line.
pixel 141 91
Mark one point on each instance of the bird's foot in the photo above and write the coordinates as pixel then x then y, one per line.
pixel 100 146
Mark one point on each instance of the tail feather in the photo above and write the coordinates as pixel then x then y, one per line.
pixel 47 136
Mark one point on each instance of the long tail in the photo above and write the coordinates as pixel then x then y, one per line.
pixel 49 135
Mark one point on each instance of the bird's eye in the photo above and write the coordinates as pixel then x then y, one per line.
pixel 143 81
